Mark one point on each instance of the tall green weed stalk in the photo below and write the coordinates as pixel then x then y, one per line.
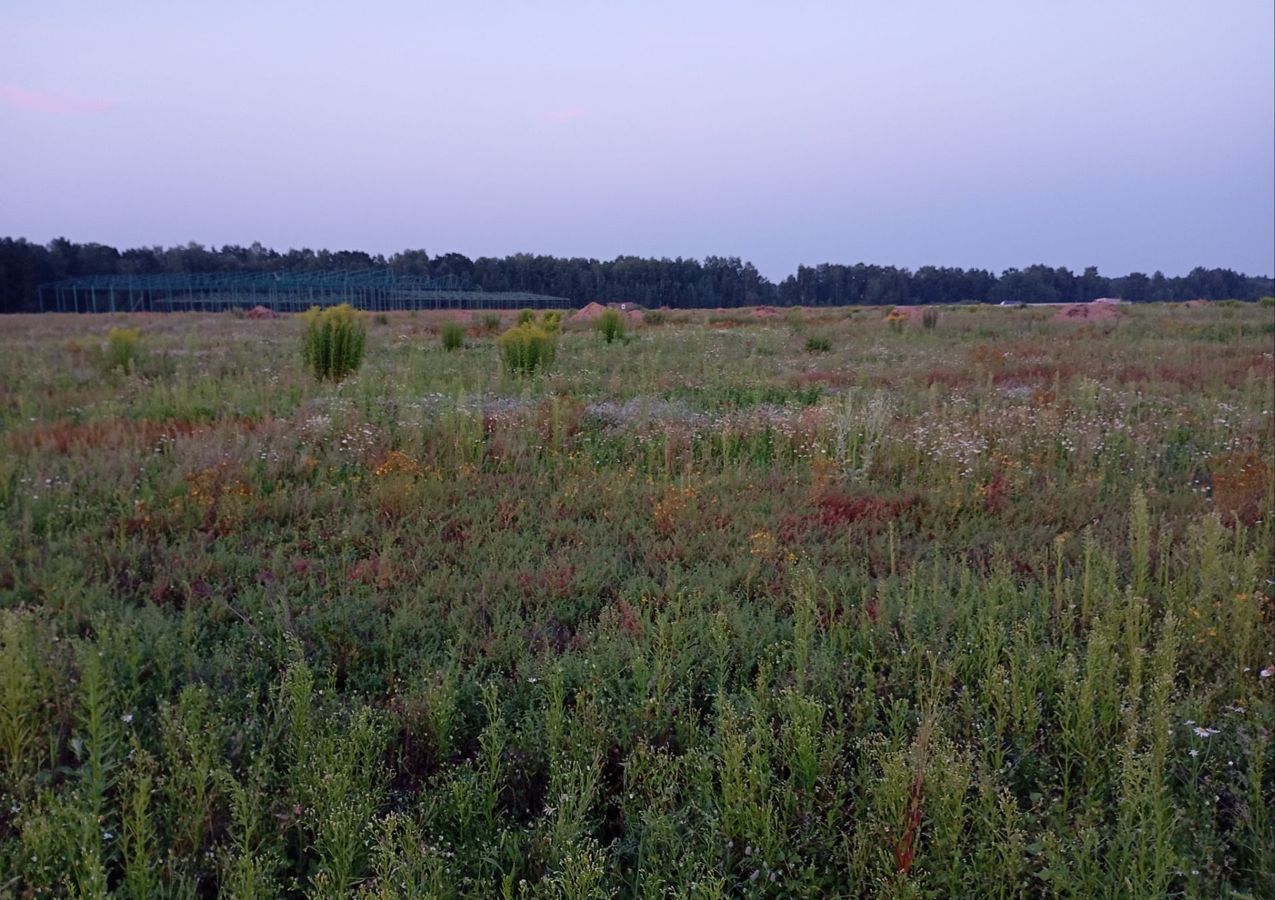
pixel 334 341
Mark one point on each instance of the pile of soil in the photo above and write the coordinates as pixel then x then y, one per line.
pixel 764 312
pixel 589 313
pixel 261 312
pixel 1086 312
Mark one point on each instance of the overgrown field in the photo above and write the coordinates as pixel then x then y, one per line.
pixel 808 606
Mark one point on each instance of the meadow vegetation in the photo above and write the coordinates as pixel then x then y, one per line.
pixel 978 607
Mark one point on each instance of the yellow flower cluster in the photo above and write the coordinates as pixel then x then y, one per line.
pixel 398 463
pixel 669 507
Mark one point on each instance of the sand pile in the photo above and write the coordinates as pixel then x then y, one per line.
pixel 261 312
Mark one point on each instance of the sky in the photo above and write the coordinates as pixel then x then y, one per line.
pixel 1134 136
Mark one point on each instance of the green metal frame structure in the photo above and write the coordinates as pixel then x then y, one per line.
pixel 282 291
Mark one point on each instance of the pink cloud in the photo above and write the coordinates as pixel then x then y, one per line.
pixel 53 104
pixel 566 114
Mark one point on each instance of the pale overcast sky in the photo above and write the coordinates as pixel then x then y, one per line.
pixel 1127 135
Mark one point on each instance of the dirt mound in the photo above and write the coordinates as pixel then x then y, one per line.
pixel 261 312
pixel 589 313
pixel 1086 312
pixel 764 312
pixel 1195 304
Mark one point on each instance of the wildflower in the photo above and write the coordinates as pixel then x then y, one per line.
pixel 1194 752
pixel 126 718
pixel 398 463
pixel 1267 672
pixel 1204 732
pixel 763 544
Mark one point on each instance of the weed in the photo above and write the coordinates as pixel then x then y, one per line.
pixel 527 348
pixel 452 335
pixel 123 350
pixel 610 324
pixel 333 342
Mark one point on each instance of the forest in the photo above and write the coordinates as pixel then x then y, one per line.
pixel 676 283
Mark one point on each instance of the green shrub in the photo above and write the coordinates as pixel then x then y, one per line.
pixel 382 319
pixel 489 322
pixel 929 317
pixel 452 335
pixel 123 350
pixel 526 317
pixel 818 344
pixel 1267 302
pixel 610 325
pixel 551 321
pixel 334 339
pixel 653 317
pixel 526 348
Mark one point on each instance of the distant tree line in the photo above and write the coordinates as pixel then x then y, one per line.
pixel 713 282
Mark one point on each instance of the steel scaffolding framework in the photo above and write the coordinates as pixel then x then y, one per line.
pixel 282 291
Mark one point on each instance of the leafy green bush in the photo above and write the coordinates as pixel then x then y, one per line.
pixel 551 321
pixel 452 335
pixel 489 323
pixel 526 348
pixel 818 344
pixel 334 339
pixel 654 317
pixel 123 350
pixel 1267 302
pixel 610 325
pixel 526 317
